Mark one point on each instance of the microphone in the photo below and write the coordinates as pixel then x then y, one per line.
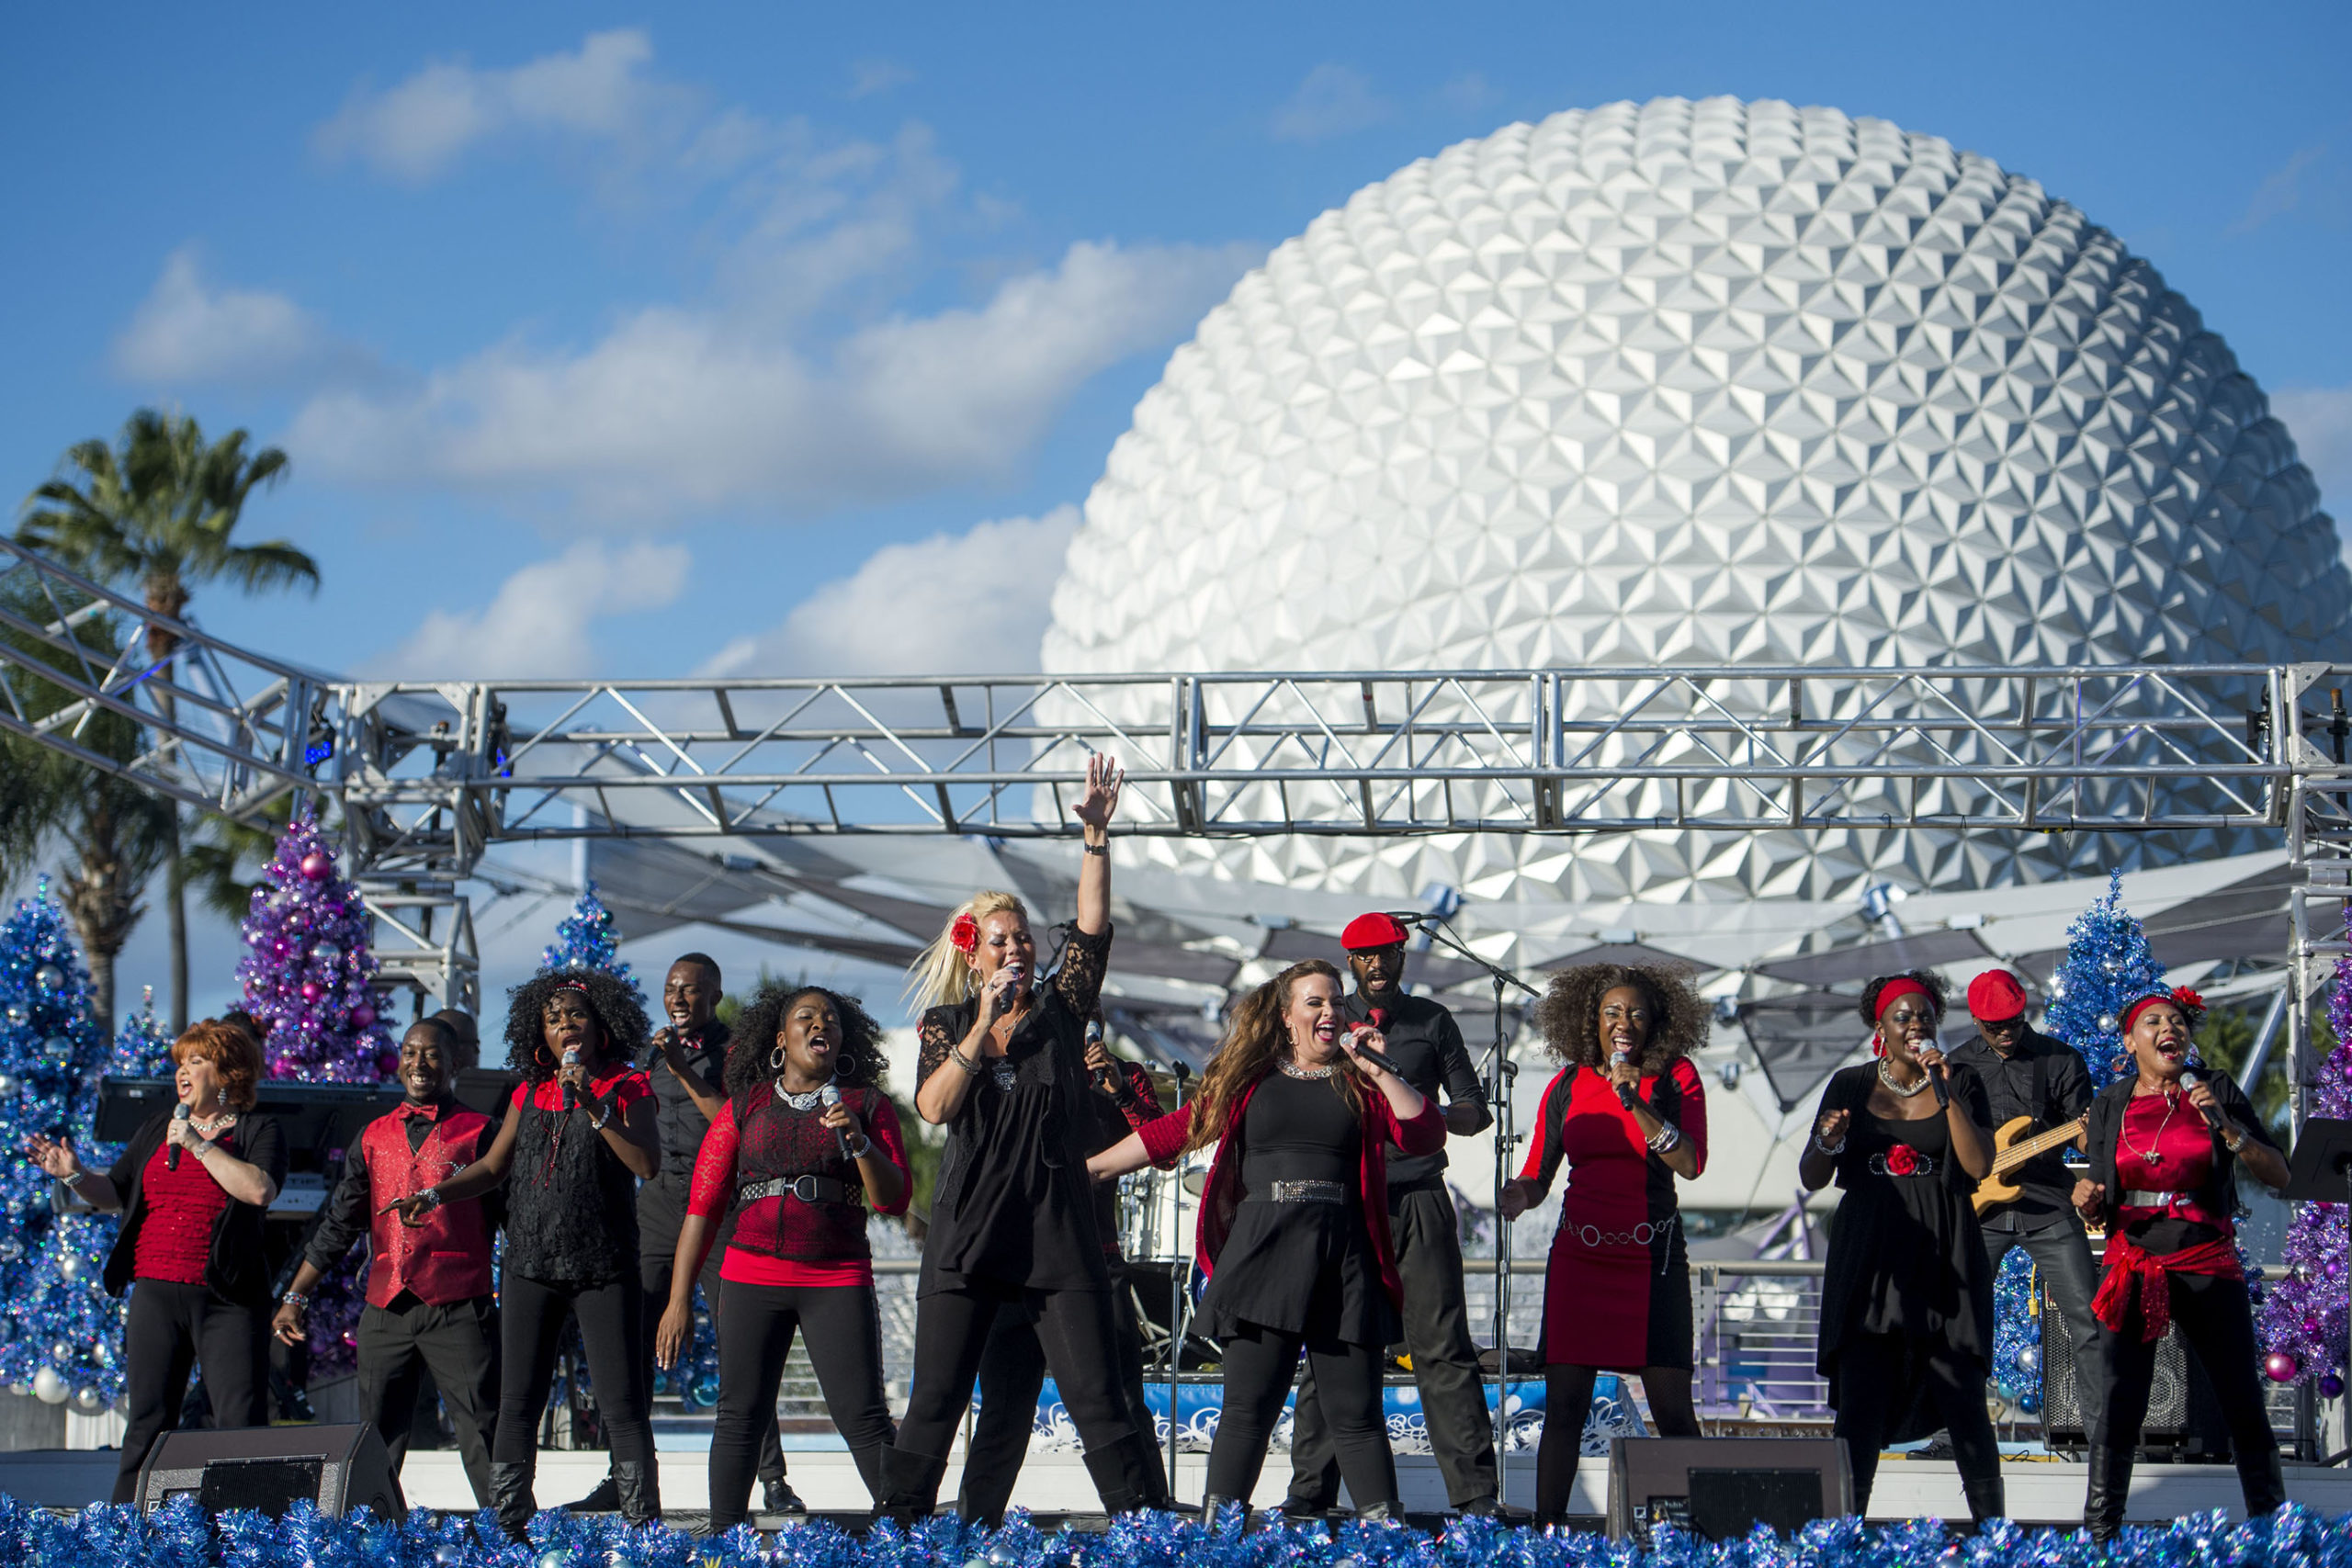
pixel 2189 1080
pixel 1627 1094
pixel 1110 1081
pixel 1376 1059
pixel 828 1096
pixel 180 1113
pixel 1943 1090
pixel 1405 917
pixel 571 1094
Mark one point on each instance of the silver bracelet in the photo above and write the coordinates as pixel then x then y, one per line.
pixel 973 1068
pixel 201 1147
pixel 865 1147
pixel 431 1198
pixel 74 1180
pixel 1669 1136
pixel 1832 1150
pixel 600 1122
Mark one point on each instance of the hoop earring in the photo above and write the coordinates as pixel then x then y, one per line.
pixel 777 1058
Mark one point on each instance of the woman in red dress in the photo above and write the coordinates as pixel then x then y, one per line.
pixel 2165 1158
pixel 1629 1117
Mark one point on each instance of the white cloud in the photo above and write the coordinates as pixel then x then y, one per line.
pixel 186 330
pixel 539 625
pixel 677 409
pixel 973 603
pixel 2281 192
pixel 1331 101
pixel 2320 419
pixel 416 129
pixel 868 77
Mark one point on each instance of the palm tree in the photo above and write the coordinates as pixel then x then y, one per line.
pixel 158 509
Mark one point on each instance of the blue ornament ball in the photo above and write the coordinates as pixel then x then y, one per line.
pixel 447 1555
pixel 552 1557
pixel 2331 1385
pixel 2031 1401
pixel 48 977
pixel 706 1389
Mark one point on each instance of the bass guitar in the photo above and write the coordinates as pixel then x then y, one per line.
pixel 2013 1145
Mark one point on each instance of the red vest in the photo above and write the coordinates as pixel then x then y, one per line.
pixel 447 1259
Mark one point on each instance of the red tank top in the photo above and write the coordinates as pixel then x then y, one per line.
pixel 175 1235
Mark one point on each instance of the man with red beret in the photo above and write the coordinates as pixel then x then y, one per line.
pixel 1426 1046
pixel 2027 1073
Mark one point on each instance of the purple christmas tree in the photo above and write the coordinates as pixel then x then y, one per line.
pixel 306 969
pixel 2302 1316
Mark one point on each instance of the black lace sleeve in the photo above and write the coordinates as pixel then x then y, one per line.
pixel 1084 963
pixel 937 1034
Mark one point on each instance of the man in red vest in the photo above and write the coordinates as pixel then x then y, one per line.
pixel 430 1306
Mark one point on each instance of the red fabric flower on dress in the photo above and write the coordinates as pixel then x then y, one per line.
pixel 1902 1160
pixel 965 933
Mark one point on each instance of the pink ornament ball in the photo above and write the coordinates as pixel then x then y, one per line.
pixel 317 865
pixel 313 990
pixel 2279 1367
pixel 388 1064
pixel 362 1016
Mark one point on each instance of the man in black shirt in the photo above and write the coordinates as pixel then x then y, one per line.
pixel 1424 1043
pixel 2027 1073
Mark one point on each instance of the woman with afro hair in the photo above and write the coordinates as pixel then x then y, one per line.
pixel 577 1137
pixel 1628 1116
pixel 805 1148
pixel 1906 1295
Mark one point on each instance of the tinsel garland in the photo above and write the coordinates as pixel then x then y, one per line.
pixel 181 1536
pixel 2301 1314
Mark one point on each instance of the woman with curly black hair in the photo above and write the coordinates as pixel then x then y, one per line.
pixel 1906 1295
pixel 2166 1145
pixel 1628 1115
pixel 579 1135
pixel 806 1147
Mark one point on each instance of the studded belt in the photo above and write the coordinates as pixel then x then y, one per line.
pixel 808 1189
pixel 1308 1192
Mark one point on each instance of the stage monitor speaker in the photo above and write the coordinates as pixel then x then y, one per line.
pixel 1721 1488
pixel 2184 1420
pixel 269 1468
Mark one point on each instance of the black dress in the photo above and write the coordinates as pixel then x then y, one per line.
pixel 1907 1256
pixel 1299 1268
pixel 1013 1209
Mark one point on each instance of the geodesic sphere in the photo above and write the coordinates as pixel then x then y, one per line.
pixel 1705 382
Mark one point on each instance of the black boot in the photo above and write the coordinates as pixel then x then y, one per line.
pixel 1381 1514
pixel 1123 1475
pixel 778 1497
pixel 511 1499
pixel 2261 1482
pixel 602 1498
pixel 2108 1489
pixel 1986 1500
pixel 1218 1512
pixel 640 1487
pixel 910 1486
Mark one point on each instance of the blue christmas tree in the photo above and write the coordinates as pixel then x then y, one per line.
pixel 587 939
pixel 61 1336
pixel 2108 965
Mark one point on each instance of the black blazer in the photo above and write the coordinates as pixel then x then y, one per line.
pixel 2219 1194
pixel 238 1272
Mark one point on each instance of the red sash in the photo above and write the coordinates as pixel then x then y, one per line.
pixel 2131 1270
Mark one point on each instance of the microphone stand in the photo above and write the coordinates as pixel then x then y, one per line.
pixel 1501 1073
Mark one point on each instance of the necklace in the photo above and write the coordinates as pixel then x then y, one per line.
pixel 1293 1070
pixel 2152 1157
pixel 807 1101
pixel 1892 1087
pixel 210 1125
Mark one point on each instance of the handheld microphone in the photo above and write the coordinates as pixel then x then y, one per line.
pixel 571 1094
pixel 828 1096
pixel 1376 1059
pixel 180 1113
pixel 2189 1080
pixel 1110 1081
pixel 1627 1094
pixel 1943 1090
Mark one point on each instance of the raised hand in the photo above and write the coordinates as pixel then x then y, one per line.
pixel 843 1120
pixel 55 1157
pixel 1361 1037
pixel 1932 1059
pixel 2207 1104
pixel 1104 778
pixel 1831 1131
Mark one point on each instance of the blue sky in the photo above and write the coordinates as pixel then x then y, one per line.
pixel 691 317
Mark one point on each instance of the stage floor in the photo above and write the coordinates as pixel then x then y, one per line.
pixel 2040 1492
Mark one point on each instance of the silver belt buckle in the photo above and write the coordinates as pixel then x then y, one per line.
pixel 1309 1193
pixel 802 1186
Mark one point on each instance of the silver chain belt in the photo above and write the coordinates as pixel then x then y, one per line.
pixel 1641 1235
pixel 1308 1192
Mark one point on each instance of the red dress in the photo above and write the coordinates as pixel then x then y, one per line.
pixel 1617 1287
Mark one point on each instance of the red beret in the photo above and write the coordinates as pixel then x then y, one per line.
pixel 1996 997
pixel 1371 930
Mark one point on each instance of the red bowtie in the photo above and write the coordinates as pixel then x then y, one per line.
pixel 430 1112
pixel 1380 1018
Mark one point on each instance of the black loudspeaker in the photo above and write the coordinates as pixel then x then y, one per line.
pixel 269 1468
pixel 1722 1488
pixel 2184 1421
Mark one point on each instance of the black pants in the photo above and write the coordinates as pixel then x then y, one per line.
pixel 1013 1372
pixel 531 1314
pixel 1880 1380
pixel 657 1253
pixel 844 1334
pixel 952 1332
pixel 2064 1256
pixel 1259 1366
pixel 2215 1322
pixel 172 1327
pixel 1428 1238
pixel 457 1345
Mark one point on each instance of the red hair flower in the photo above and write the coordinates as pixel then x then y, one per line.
pixel 1902 1160
pixel 2187 999
pixel 965 933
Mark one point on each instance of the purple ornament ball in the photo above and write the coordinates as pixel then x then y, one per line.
pixel 2279 1367
pixel 362 1016
pixel 313 990
pixel 317 866
pixel 2332 1386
